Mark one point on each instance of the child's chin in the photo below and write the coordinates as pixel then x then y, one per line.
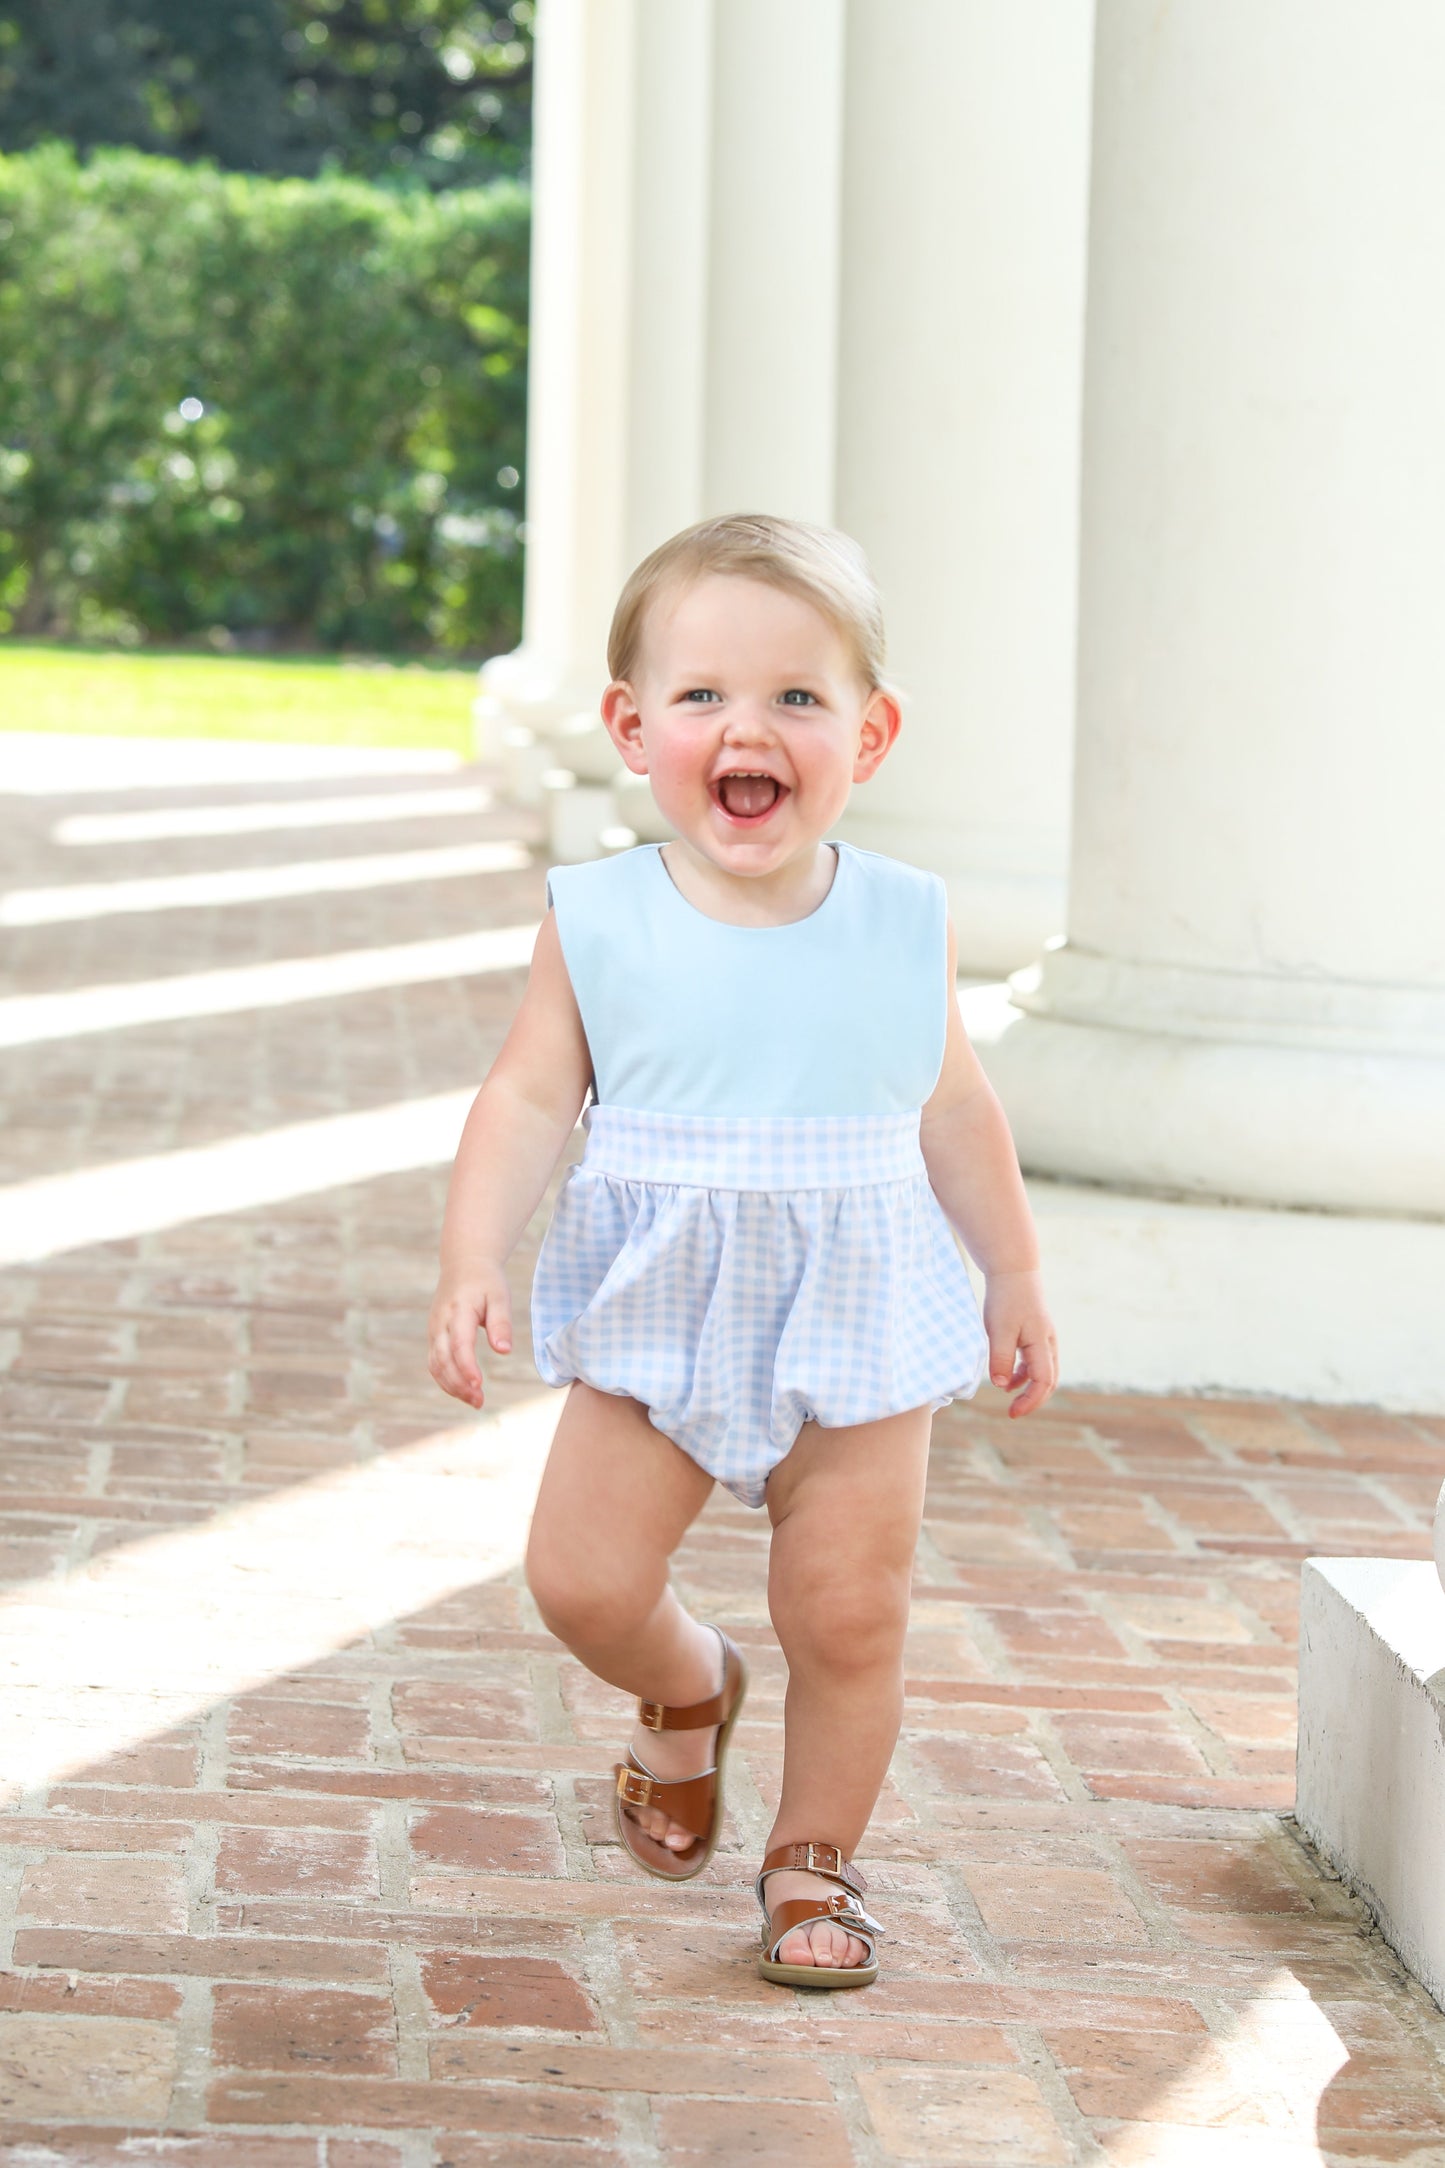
pixel 754 831
pixel 752 843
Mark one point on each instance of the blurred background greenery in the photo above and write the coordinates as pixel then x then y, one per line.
pixel 263 302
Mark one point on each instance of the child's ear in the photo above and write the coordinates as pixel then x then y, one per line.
pixel 623 719
pixel 882 721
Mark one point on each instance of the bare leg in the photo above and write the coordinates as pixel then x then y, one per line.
pixel 846 1506
pixel 617 1497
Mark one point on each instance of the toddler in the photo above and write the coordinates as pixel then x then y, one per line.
pixel 749 1278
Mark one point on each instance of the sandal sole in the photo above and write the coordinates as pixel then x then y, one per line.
pixel 694 1867
pixel 829 1977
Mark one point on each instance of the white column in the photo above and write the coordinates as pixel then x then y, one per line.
pixel 664 430
pixel 961 361
pixel 1251 999
pixel 774 237
pixel 580 358
pixel 615 389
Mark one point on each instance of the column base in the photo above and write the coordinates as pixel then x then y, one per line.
pixel 1336 1107
pixel 538 722
pixel 528 700
pixel 1164 1293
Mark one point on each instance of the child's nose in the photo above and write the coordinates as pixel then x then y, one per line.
pixel 749 721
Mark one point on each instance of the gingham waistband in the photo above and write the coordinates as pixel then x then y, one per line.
pixel 793 1151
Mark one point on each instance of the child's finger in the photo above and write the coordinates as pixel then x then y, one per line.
pixel 463 1349
pixel 446 1377
pixel 1002 1361
pixel 444 1369
pixel 499 1324
pixel 1039 1363
pixel 1035 1393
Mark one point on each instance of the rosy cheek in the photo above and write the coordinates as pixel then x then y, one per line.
pixel 678 763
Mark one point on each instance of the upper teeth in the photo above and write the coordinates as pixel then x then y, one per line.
pixel 757 775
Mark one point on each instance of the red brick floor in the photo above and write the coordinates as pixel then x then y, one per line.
pixel 369 1914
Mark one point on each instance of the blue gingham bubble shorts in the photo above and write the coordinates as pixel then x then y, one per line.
pixel 742 1277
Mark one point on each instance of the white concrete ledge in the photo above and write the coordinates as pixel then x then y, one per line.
pixel 1160 1295
pixel 1371 1767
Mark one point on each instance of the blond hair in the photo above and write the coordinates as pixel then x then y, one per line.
pixel 818 564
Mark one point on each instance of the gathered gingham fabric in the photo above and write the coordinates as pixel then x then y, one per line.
pixel 740 1277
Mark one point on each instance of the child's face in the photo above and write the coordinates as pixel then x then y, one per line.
pixel 749 718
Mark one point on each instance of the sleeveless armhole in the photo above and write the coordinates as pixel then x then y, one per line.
pixel 915 904
pixel 939 900
pixel 949 978
pixel 574 960
pixel 560 884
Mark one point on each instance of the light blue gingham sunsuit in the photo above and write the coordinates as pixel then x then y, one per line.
pixel 750 1240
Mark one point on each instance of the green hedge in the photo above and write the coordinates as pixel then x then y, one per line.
pixel 360 357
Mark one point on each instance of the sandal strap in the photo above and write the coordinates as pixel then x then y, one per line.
pixel 824 1859
pixel 658 1716
pixel 836 1907
pixel 689 1801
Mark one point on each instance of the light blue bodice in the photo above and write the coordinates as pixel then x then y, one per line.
pixel 842 1012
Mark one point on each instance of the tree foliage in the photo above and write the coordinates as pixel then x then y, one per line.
pixel 280 411
pixel 437 91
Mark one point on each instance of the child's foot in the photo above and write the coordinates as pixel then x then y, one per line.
pixel 679 1760
pixel 674 1756
pixel 817 1942
pixel 817 1932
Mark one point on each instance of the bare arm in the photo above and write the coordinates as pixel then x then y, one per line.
pixel 514 1135
pixel 974 1170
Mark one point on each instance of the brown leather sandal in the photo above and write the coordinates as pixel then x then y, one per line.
pixel 694 1802
pixel 839 1906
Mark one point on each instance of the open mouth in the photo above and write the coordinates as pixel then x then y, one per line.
pixel 747 796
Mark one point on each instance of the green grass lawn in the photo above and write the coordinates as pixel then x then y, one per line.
pixel 314 701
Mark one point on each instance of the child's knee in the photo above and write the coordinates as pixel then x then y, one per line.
pixel 564 1588
pixel 840 1623
pixel 583 1597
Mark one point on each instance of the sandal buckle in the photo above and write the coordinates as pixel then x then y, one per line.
pixel 816 1862
pixel 633 1788
pixel 857 1917
pixel 650 1715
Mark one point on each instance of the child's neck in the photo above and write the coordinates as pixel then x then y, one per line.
pixel 789 892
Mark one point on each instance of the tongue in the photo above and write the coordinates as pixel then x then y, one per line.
pixel 745 795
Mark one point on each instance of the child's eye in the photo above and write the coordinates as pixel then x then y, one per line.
pixel 796 697
pixel 700 692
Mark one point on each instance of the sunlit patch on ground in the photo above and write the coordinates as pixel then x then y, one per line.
pixel 151 1635
pixel 25 1019
pixel 137 1196
pixel 47 764
pixel 359 810
pixel 255 884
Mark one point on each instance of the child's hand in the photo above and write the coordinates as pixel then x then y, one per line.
pixel 1022 1349
pixel 458 1314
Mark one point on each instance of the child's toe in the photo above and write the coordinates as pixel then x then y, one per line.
pixel 653 1823
pixel 821 1944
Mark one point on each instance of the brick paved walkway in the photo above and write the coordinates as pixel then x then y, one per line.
pixel 366 1912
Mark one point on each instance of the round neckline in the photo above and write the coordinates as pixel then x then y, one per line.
pixel 727 925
